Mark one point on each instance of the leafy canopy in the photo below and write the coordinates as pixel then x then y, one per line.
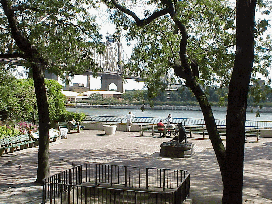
pixel 64 32
pixel 211 41
pixel 18 101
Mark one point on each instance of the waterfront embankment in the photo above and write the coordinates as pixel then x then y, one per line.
pixel 165 107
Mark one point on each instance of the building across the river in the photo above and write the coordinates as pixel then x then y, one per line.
pixel 74 97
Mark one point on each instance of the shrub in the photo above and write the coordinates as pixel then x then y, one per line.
pixel 8 131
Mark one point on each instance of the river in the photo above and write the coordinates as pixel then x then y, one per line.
pixel 219 113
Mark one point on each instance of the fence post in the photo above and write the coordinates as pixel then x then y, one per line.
pixel 50 189
pixel 111 175
pixel 125 176
pixel 102 172
pixel 69 185
pixel 95 174
pixel 146 175
pixel 99 173
pixel 81 173
pixel 177 177
pixel 139 177
pixel 86 192
pixel 160 179
pixel 163 185
pixel 118 174
pixel 86 172
pixel 44 190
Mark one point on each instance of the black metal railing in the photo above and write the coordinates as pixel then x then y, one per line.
pixel 104 183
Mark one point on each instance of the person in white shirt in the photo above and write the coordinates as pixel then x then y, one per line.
pixel 129 120
pixel 169 120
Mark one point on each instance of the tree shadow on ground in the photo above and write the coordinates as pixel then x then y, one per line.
pixel 206 185
pixel 18 175
pixel 257 171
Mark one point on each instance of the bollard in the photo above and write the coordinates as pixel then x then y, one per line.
pixel 141 131
pixel 78 127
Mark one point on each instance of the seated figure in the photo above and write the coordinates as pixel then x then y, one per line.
pixel 72 124
pixel 161 128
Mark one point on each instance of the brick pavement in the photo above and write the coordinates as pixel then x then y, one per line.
pixel 18 169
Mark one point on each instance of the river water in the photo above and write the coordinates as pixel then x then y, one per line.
pixel 219 113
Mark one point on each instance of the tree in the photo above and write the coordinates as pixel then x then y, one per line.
pixel 56 101
pixel 17 98
pixel 18 102
pixel 57 36
pixel 202 53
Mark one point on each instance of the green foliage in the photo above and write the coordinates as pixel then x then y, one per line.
pixel 68 116
pixel 17 98
pixel 211 42
pixel 56 100
pixel 8 131
pixel 64 32
pixel 134 96
pixel 259 92
pixel 98 99
pixel 18 101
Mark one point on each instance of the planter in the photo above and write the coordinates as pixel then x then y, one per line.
pixel 109 129
pixel 174 149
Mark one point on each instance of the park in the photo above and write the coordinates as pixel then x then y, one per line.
pixel 196 44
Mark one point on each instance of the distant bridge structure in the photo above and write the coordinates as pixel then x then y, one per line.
pixel 111 62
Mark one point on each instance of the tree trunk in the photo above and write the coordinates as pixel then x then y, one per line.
pixel 237 101
pixel 211 126
pixel 44 123
pixel 38 65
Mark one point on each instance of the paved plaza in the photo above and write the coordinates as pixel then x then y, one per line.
pixel 18 170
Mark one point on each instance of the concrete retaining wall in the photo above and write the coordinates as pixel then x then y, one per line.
pixel 91 125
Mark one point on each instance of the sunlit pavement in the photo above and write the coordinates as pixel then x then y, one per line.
pixel 18 170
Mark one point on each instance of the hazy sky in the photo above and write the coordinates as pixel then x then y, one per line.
pixel 108 28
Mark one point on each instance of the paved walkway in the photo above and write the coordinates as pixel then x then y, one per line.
pixel 18 169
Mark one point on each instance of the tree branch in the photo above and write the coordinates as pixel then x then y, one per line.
pixel 138 21
pixel 190 73
pixel 11 55
pixel 22 42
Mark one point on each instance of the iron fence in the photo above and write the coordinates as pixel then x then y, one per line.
pixel 104 183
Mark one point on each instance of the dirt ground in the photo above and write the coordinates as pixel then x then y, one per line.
pixel 18 170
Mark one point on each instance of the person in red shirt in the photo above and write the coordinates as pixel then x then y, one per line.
pixel 161 128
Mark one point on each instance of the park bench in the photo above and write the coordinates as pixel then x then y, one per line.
pixel 153 128
pixel 196 129
pixel 252 132
pixel 19 142
pixel 69 126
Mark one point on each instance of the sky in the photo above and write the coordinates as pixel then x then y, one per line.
pixel 106 27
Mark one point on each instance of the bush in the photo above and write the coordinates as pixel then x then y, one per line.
pixel 8 131
pixel 68 116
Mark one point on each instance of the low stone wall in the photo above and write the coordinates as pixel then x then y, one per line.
pixel 92 125
pixel 265 132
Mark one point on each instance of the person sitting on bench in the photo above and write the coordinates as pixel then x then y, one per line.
pixel 161 128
